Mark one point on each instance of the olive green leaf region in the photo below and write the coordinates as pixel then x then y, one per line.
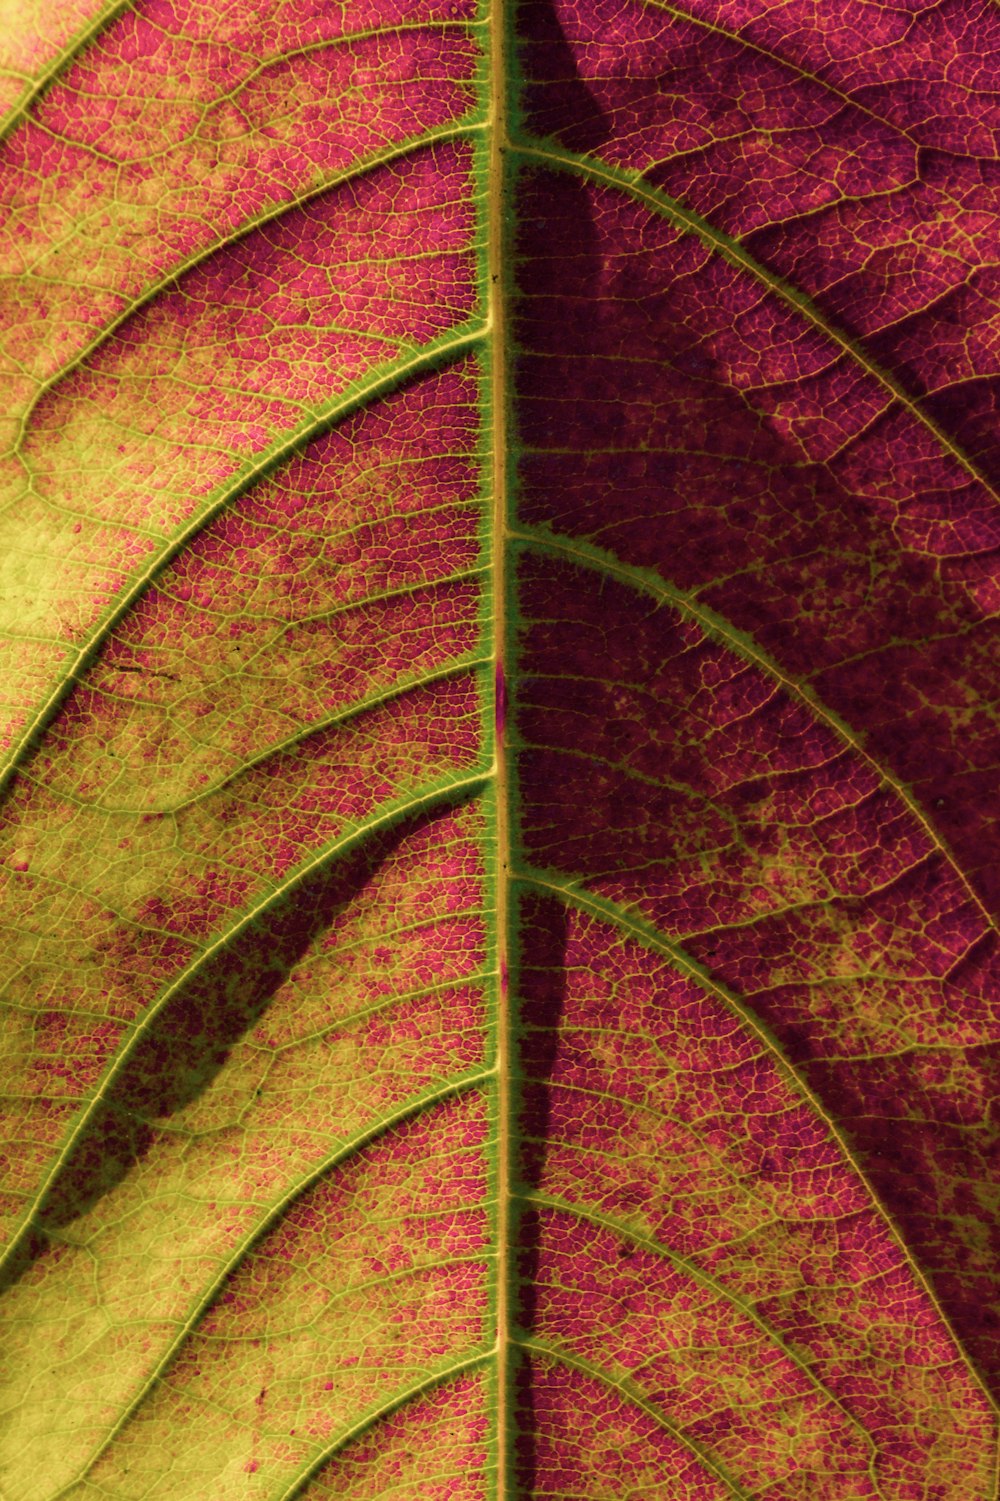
pixel 499 602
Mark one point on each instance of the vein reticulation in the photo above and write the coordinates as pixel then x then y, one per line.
pixel 603 1114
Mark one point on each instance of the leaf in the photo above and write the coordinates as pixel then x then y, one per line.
pixel 500 634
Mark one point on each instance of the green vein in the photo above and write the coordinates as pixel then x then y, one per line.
pixel 634 185
pixel 347 39
pixel 650 937
pixel 60 62
pixel 787 64
pixel 351 1148
pixel 342 716
pixel 438 352
pixel 389 815
pixel 419 1389
pixel 242 231
pixel 704 1279
pixel 577 1363
pixel 719 629
pixel 496 209
pixel 398 998
pixel 352 711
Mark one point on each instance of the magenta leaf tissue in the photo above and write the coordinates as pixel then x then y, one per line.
pixel 500 836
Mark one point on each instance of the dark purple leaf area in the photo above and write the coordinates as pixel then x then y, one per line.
pixel 499 599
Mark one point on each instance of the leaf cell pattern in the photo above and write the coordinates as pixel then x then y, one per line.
pixel 499 738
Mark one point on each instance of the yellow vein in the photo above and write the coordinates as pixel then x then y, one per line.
pixel 785 63
pixel 242 231
pixel 719 629
pixel 704 1279
pixel 577 1363
pixel 388 695
pixel 650 937
pixel 419 1389
pixel 60 62
pixel 341 716
pixel 336 411
pixel 496 313
pixel 428 585
pixel 731 250
pixel 391 814
pixel 459 983
pixel 345 39
pixel 282 627
pixel 357 1143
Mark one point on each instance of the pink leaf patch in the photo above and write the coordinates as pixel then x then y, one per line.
pixel 498 751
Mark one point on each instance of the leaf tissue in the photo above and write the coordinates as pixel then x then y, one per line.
pixel 499 737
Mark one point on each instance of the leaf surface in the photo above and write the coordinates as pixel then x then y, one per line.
pixel 499 625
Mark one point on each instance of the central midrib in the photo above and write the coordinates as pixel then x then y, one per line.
pixel 495 292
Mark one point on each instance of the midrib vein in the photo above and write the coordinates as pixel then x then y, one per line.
pixel 495 294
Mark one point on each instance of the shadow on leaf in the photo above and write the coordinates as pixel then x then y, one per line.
pixel 188 1042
